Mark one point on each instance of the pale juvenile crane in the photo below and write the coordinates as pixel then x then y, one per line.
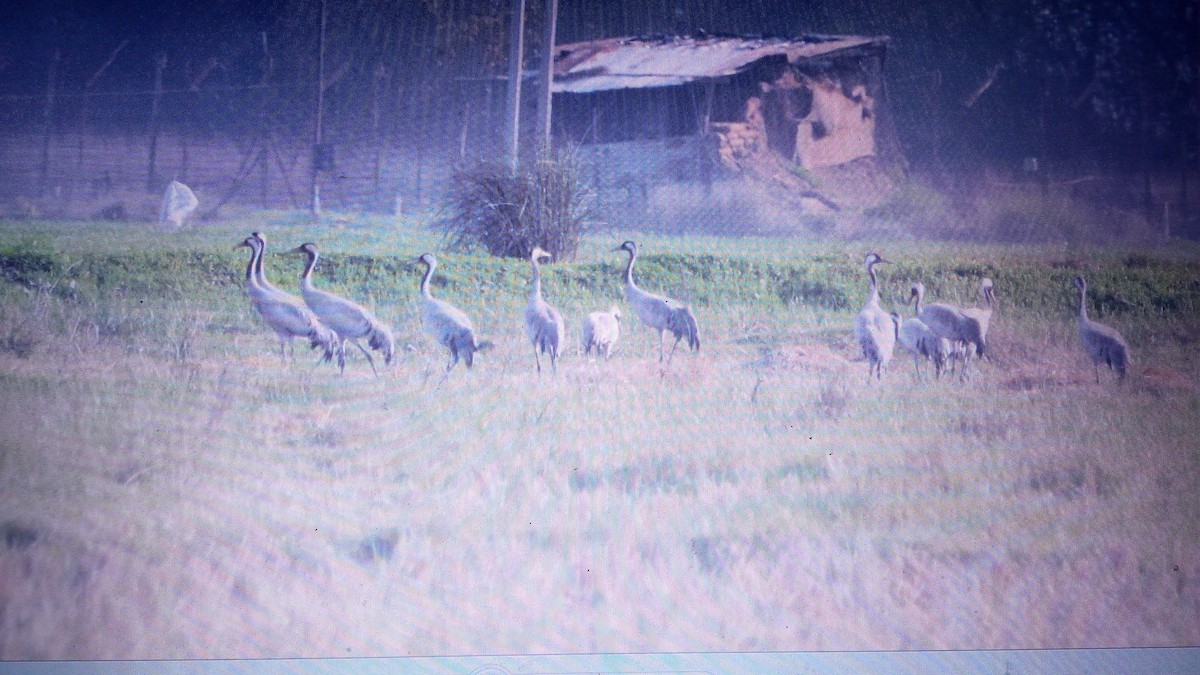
pixel 601 330
pixel 447 323
pixel 875 330
pixel 284 313
pixel 348 319
pixel 1103 344
pixel 964 332
pixel 543 323
pixel 660 312
pixel 920 340
pixel 982 315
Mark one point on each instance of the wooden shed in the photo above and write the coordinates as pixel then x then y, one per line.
pixel 671 109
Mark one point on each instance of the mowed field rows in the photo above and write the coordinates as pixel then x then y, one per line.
pixel 170 489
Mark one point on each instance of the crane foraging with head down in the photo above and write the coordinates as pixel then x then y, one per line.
pixel 543 323
pixel 660 312
pixel 1103 344
pixel 348 319
pixel 447 323
pixel 285 313
pixel 875 330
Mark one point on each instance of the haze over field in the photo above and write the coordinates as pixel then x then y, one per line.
pixel 162 471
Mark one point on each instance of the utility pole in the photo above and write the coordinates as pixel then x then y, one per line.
pixel 318 154
pixel 547 89
pixel 516 50
pixel 160 63
pixel 48 121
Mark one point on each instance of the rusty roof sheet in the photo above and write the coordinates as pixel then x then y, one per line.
pixel 635 62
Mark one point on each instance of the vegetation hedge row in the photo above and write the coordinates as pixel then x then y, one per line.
pixel 1134 284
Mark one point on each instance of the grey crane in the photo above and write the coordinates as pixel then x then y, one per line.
pixel 543 323
pixel 982 315
pixel 963 331
pixel 920 340
pixel 1103 344
pixel 601 330
pixel 285 313
pixel 348 319
pixel 447 323
pixel 660 312
pixel 875 330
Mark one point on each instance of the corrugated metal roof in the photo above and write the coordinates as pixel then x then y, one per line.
pixel 630 63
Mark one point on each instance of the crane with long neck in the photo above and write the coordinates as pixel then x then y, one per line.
pixel 1102 344
pixel 448 324
pixel 658 311
pixel 284 313
pixel 348 319
pixel 543 323
pixel 875 330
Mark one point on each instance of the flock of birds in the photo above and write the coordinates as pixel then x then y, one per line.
pixel 946 334
pixel 942 333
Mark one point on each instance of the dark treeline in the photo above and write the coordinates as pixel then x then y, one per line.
pixel 1083 85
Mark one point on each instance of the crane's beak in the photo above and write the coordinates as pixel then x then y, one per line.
pixel 241 245
pixel 619 248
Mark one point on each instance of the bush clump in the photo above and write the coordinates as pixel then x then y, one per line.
pixel 547 203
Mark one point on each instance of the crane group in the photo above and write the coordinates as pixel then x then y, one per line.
pixel 948 335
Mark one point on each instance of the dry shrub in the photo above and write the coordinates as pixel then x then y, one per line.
pixel 547 203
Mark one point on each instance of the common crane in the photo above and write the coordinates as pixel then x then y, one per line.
pixel 1103 344
pixel 875 330
pixel 660 312
pixel 348 319
pixel 982 315
pixel 920 340
pixel 285 313
pixel 601 331
pixel 543 323
pixel 964 332
pixel 447 323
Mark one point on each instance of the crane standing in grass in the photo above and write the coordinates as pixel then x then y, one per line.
pixel 348 319
pixel 447 323
pixel 965 333
pixel 875 330
pixel 1103 344
pixel 543 323
pixel 920 340
pixel 981 315
pixel 601 330
pixel 659 312
pixel 285 313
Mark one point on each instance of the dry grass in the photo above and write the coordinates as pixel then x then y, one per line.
pixel 760 495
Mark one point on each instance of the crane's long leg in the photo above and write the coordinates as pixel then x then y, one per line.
pixel 341 356
pixel 365 353
pixel 661 346
pixel 537 358
pixel 673 347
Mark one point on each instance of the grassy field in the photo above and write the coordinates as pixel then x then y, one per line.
pixel 170 489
